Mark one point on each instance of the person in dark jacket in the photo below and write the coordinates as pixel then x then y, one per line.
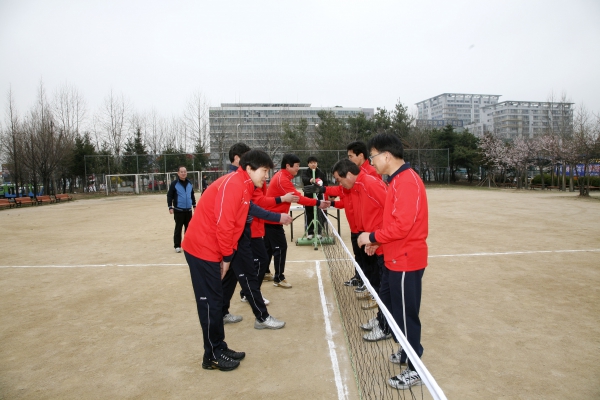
pixel 181 201
pixel 310 176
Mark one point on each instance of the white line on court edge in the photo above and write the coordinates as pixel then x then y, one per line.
pixel 341 388
pixel 512 252
pixel 507 253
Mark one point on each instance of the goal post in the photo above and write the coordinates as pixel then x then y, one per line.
pixel 146 183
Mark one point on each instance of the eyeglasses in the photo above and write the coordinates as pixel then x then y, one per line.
pixel 375 155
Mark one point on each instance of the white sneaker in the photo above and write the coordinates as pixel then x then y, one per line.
pixel 370 325
pixel 406 379
pixel 231 319
pixel 245 300
pixel 269 323
pixel 282 284
pixel 177 249
pixel 309 236
pixel 376 334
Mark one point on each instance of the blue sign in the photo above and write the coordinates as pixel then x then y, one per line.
pixel 592 170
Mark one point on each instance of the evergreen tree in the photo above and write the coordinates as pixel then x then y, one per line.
pixel 79 164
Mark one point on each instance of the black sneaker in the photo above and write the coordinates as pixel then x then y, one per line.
pixel 235 355
pixel 354 281
pixel 222 363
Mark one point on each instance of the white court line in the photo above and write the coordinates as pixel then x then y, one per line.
pixel 507 253
pixel 93 265
pixel 341 388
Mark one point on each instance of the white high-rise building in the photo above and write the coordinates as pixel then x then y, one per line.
pixel 457 109
pixel 511 119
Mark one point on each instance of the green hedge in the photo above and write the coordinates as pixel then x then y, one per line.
pixel 594 181
pixel 537 180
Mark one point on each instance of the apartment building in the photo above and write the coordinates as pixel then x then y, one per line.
pixel 260 125
pixel 511 119
pixel 457 109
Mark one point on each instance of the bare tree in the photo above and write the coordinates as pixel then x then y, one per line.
pixel 70 109
pixel 196 121
pixel 151 128
pixel 110 122
pixel 12 141
pixel 50 144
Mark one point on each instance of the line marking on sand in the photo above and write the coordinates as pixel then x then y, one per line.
pixel 93 265
pixel 341 388
pixel 506 253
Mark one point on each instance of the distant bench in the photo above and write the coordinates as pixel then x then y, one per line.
pixel 62 196
pixel 44 199
pixel 6 202
pixel 19 201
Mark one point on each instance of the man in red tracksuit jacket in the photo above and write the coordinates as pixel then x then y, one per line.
pixel 367 195
pixel 357 153
pixel 275 239
pixel 403 238
pixel 210 244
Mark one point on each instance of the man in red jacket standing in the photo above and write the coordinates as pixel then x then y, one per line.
pixel 357 153
pixel 209 245
pixel 275 239
pixel 368 198
pixel 403 240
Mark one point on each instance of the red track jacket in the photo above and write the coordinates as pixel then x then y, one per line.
pixel 220 217
pixel 280 185
pixel 405 223
pixel 344 202
pixel 260 199
pixel 368 199
pixel 369 169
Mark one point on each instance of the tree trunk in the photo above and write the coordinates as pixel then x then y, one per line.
pixel 571 184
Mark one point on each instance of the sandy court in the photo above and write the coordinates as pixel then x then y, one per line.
pixel 94 303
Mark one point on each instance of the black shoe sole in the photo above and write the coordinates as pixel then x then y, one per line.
pixel 219 367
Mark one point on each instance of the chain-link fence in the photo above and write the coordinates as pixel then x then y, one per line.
pixel 153 173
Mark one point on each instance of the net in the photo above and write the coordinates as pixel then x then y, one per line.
pixel 371 359
pixel 144 183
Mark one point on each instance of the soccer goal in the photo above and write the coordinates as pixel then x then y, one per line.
pixel 145 183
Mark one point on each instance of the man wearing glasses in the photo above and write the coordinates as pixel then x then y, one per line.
pixel 403 238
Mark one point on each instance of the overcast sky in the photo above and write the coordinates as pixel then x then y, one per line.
pixel 327 53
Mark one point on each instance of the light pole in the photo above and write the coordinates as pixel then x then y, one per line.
pixel 237 133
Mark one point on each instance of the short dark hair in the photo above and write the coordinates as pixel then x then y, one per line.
pixel 181 166
pixel 238 149
pixel 311 159
pixel 344 166
pixel 289 159
pixel 387 142
pixel 256 159
pixel 358 148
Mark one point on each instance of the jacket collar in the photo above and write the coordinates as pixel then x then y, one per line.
pixel 403 168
